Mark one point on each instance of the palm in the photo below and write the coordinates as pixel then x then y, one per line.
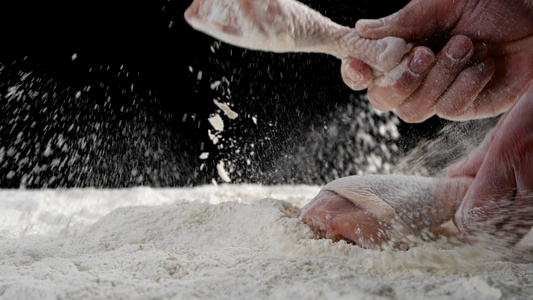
pixel 493 21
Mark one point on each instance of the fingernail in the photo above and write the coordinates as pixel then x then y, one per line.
pixel 420 61
pixel 369 23
pixel 459 49
pixel 353 76
pixel 411 112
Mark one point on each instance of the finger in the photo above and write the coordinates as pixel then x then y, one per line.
pixel 493 100
pixel 455 102
pixel 356 74
pixel 469 165
pixel 418 20
pixel 521 219
pixel 511 80
pixel 499 203
pixel 449 62
pixel 391 89
pixel 487 210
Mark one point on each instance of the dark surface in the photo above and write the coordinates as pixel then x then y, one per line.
pixel 102 94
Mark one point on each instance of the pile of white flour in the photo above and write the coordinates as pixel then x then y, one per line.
pixel 219 242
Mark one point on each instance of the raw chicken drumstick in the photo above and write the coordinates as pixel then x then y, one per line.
pixel 380 211
pixel 290 26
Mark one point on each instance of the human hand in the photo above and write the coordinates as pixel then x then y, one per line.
pixel 499 201
pixel 479 72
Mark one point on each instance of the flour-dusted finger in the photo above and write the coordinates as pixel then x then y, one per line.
pixel 449 63
pixel 498 208
pixel 464 91
pixel 391 89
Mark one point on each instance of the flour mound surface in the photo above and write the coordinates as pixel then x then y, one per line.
pixel 223 242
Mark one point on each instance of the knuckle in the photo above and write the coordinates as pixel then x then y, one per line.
pixel 380 104
pixel 409 115
pixel 453 107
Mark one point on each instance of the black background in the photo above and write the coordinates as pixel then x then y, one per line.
pixel 102 94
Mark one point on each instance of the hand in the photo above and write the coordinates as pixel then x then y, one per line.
pixel 499 201
pixel 479 72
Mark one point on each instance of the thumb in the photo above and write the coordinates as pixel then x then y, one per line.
pixel 418 20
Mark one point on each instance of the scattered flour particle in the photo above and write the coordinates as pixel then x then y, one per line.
pixel 55 162
pixel 212 137
pixel 25 76
pixel 14 92
pixel 204 155
pixel 382 129
pixel 78 95
pixel 254 119
pixel 226 109
pixel 199 77
pixel 222 172
pixel 216 122
pixel 74 56
pixel 10 175
pixel 215 84
pixel 48 151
